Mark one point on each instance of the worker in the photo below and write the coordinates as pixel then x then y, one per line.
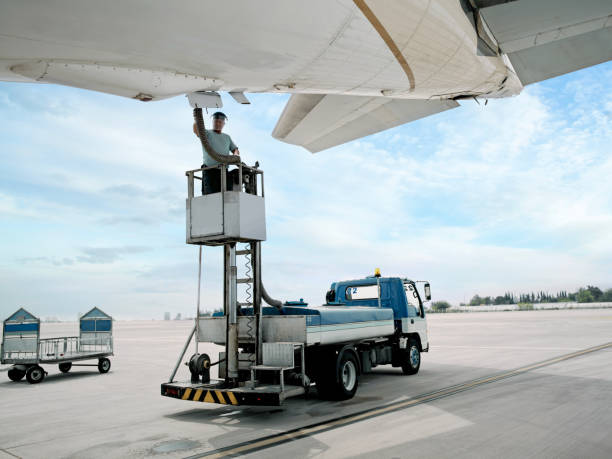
pixel 223 144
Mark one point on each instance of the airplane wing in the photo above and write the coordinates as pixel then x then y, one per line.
pixel 547 38
pixel 373 64
pixel 318 122
pixel 542 39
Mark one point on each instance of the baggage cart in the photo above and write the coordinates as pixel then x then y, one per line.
pixel 26 351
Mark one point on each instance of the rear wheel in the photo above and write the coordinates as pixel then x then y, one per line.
pixel 411 360
pixel 65 367
pixel 35 374
pixel 104 365
pixel 340 377
pixel 15 374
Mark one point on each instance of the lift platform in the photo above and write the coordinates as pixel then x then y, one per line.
pixel 262 360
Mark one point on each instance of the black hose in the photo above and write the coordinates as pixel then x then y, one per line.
pixel 221 158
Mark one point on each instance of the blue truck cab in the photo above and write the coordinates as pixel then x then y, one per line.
pixel 398 294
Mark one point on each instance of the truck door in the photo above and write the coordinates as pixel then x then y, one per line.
pixel 415 322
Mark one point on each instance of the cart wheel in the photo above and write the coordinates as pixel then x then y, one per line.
pixel 104 365
pixel 65 367
pixel 15 374
pixel 35 374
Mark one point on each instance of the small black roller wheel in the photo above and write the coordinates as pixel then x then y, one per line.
pixel 35 374
pixel 104 365
pixel 65 367
pixel 411 361
pixel 16 374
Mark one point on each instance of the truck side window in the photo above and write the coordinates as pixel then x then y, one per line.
pixel 414 307
pixel 362 292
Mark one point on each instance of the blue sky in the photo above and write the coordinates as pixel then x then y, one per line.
pixel 515 195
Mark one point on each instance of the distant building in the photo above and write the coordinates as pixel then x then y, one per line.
pixel 166 316
pixel 178 316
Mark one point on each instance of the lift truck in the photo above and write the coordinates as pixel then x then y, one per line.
pixel 277 351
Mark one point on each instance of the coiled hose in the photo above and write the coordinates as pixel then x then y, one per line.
pixel 221 158
pixel 248 273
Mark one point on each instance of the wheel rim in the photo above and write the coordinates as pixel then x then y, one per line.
pixel 415 357
pixel 349 375
pixel 36 374
pixel 105 365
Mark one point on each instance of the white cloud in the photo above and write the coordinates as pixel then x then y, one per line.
pixel 511 196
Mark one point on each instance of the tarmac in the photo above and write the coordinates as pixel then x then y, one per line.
pixel 499 384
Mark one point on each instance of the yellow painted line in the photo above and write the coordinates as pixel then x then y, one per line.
pixel 186 394
pixel 299 433
pixel 232 398
pixel 198 394
pixel 370 16
pixel 220 397
pixel 209 398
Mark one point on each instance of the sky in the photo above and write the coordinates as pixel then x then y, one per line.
pixel 512 196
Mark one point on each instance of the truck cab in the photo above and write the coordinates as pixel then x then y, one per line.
pixel 399 294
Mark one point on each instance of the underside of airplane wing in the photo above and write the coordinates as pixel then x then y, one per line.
pixel 547 38
pixel 317 122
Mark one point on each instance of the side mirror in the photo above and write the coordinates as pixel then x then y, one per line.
pixel 427 289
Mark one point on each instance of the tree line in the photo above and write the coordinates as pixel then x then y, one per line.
pixel 588 294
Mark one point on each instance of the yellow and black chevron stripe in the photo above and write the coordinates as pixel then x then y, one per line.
pixel 210 396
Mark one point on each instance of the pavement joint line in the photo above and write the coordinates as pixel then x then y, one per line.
pixel 9 453
pixel 302 432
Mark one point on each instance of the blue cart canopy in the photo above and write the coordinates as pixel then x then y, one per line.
pixel 21 322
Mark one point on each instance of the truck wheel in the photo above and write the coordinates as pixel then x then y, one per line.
pixel 411 361
pixel 104 365
pixel 15 374
pixel 65 367
pixel 35 374
pixel 341 378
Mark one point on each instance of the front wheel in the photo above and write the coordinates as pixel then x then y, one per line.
pixel 15 374
pixel 104 365
pixel 411 360
pixel 35 374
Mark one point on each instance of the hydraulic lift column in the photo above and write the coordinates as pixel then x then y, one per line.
pixel 230 296
pixel 256 264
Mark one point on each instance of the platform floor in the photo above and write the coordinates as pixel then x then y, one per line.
pixel 560 410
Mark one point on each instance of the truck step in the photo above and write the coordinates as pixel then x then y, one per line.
pixel 243 252
pixel 246 280
pixel 245 304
